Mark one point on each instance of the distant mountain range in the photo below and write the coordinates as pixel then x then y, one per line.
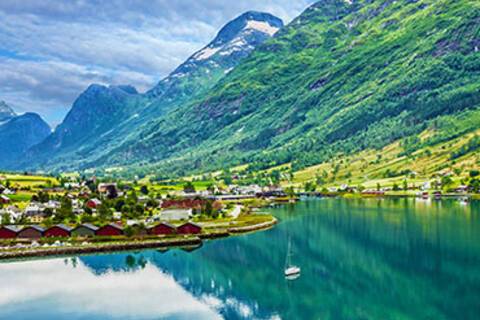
pixel 342 77
pixel 19 133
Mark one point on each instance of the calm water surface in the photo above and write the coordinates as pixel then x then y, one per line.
pixel 360 259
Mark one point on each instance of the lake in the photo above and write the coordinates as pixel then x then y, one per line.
pixel 360 259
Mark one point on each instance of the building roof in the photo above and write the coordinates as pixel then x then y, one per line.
pixel 61 226
pixel 38 228
pixel 163 224
pixel 191 223
pixel 88 226
pixel 11 228
pixel 113 225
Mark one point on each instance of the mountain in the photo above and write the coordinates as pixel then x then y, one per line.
pixel 6 112
pixel 20 133
pixel 235 41
pixel 344 76
pixel 104 117
pixel 95 113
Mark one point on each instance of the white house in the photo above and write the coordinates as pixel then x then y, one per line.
pixel 176 214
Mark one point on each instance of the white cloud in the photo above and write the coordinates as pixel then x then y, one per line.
pixel 142 294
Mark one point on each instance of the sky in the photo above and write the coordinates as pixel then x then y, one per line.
pixel 51 50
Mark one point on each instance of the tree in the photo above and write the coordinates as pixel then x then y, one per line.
pixel 129 232
pixel 290 192
pixel 65 211
pixel 310 186
pixel 405 185
pixel 119 204
pixel 189 187
pixel 208 209
pixel 144 190
pixel 133 199
pixel 446 181
pixel 474 173
pixel 104 213
pixel 6 219
pixel 396 187
pixel 474 185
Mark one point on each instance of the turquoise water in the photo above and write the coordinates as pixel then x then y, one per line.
pixel 360 259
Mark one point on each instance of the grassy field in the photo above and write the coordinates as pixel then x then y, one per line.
pixel 26 185
pixel 19 180
pixel 388 166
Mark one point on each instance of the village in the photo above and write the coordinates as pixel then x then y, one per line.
pixel 38 210
pixel 55 213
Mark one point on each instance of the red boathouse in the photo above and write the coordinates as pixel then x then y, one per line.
pixel 189 228
pixel 111 229
pixel 162 228
pixel 58 231
pixel 30 232
pixel 8 232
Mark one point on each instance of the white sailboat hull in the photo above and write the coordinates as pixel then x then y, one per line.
pixel 291 271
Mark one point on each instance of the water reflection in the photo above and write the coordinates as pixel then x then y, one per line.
pixel 360 259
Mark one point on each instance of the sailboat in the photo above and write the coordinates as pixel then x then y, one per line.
pixel 292 272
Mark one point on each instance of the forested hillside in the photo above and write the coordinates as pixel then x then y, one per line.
pixel 104 117
pixel 343 77
pixel 339 79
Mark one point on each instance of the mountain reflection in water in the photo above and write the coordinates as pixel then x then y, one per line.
pixel 360 259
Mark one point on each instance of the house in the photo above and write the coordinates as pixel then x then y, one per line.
pixel 111 229
pixel 52 204
pixel 461 189
pixel 84 194
pixel 109 189
pixel 93 203
pixel 58 231
pixel 189 228
pixel 35 212
pixel 8 192
pixel 34 209
pixel 4 199
pixel 196 204
pixel 162 228
pixel 8 232
pixel 176 214
pixel 84 230
pixel 30 232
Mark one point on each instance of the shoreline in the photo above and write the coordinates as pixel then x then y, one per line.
pixel 128 245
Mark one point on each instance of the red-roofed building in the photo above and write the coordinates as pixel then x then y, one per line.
pixel 189 228
pixel 162 228
pixel 8 232
pixel 111 229
pixel 58 231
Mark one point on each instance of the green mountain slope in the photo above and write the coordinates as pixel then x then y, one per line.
pixel 104 117
pixel 341 78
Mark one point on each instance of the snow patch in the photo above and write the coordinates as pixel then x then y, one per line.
pixel 205 53
pixel 262 27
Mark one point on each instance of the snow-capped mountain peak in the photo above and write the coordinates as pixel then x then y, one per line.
pixel 235 41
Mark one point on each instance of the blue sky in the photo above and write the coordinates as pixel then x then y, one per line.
pixel 50 51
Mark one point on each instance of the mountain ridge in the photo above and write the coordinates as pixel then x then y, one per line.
pixel 85 128
pixel 6 112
